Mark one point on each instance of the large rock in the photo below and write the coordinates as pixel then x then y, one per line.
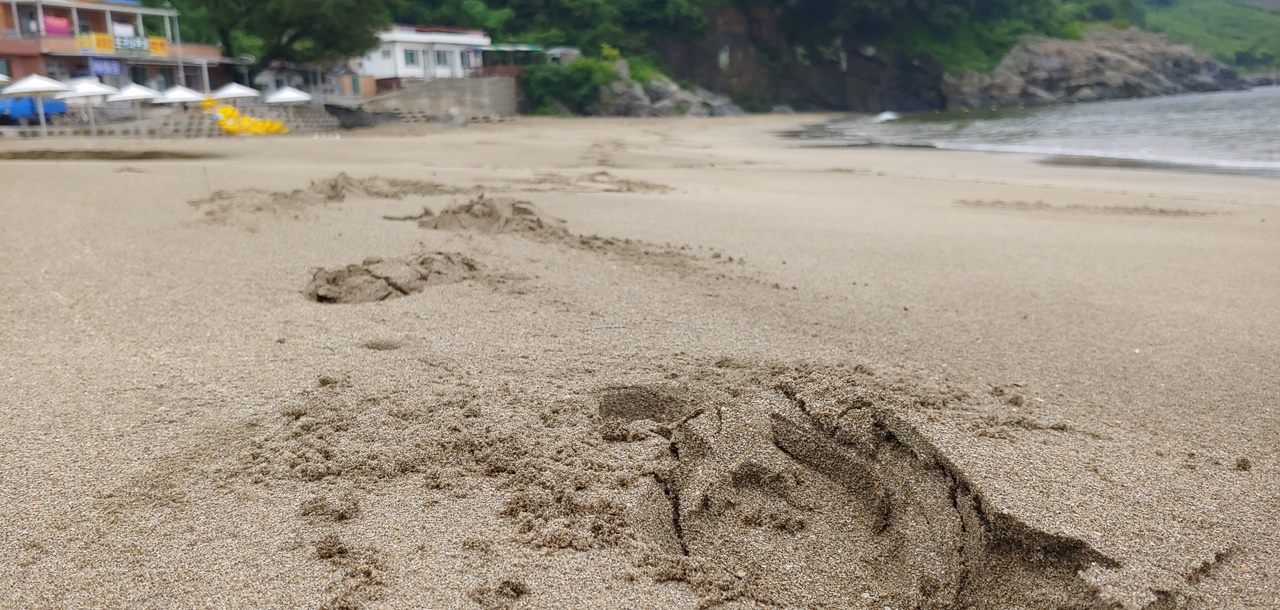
pixel 661 97
pixel 623 98
pixel 1111 65
pixel 1262 80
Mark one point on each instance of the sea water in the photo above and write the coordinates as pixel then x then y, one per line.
pixel 1237 131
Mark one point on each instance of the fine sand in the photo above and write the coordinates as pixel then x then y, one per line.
pixel 631 364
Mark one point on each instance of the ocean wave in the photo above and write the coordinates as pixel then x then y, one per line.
pixel 1062 155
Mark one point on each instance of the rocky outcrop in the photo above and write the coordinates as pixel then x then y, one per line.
pixel 1262 79
pixel 659 97
pixel 1111 65
pixel 745 54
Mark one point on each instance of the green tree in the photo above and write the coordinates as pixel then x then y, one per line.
pixel 629 25
pixel 295 31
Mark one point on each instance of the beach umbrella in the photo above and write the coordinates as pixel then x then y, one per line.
pixel 179 95
pixel 235 91
pixel 290 96
pixel 89 88
pixel 135 94
pixel 38 87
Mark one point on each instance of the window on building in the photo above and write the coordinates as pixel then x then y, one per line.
pixel 410 57
pixel 386 53
pixel 4 67
pixel 466 60
pixel 57 69
pixel 442 59
pixel 138 74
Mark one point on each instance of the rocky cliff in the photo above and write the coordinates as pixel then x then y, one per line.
pixel 658 97
pixel 1110 65
pixel 746 55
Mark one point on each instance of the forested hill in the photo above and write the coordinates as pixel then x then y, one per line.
pixel 847 54
pixel 960 34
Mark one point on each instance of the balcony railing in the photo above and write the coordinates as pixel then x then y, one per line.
pixel 102 44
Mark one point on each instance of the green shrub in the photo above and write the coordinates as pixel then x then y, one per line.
pixel 574 87
pixel 646 68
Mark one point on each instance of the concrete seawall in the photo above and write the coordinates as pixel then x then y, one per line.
pixel 473 98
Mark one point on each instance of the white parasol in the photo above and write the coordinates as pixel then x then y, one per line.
pixel 85 89
pixel 235 91
pixel 288 95
pixel 38 87
pixel 179 95
pixel 135 94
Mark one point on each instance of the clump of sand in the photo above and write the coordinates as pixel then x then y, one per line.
pixel 489 215
pixel 500 215
pixel 378 279
pixel 361 573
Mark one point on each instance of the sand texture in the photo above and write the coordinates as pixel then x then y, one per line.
pixel 631 364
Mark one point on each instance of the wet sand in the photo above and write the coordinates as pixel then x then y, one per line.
pixel 647 363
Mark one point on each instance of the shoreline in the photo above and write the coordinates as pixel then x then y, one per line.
pixel 1059 159
pixel 1079 156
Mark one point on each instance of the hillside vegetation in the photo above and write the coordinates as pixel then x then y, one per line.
pixel 1267 4
pixel 961 34
pixel 1244 36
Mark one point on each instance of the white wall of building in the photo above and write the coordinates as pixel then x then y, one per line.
pixel 406 53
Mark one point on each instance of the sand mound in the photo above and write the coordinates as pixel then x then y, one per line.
pixel 223 205
pixel 602 182
pixel 378 279
pixel 485 215
pixel 492 216
pixel 341 186
pixel 750 491
pixel 775 485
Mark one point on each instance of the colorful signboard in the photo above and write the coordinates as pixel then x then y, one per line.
pixel 104 67
pixel 96 43
pixel 159 46
pixel 132 44
pixel 106 44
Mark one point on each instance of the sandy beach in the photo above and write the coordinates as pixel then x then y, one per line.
pixel 662 363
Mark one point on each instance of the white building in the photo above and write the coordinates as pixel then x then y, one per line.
pixel 424 53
